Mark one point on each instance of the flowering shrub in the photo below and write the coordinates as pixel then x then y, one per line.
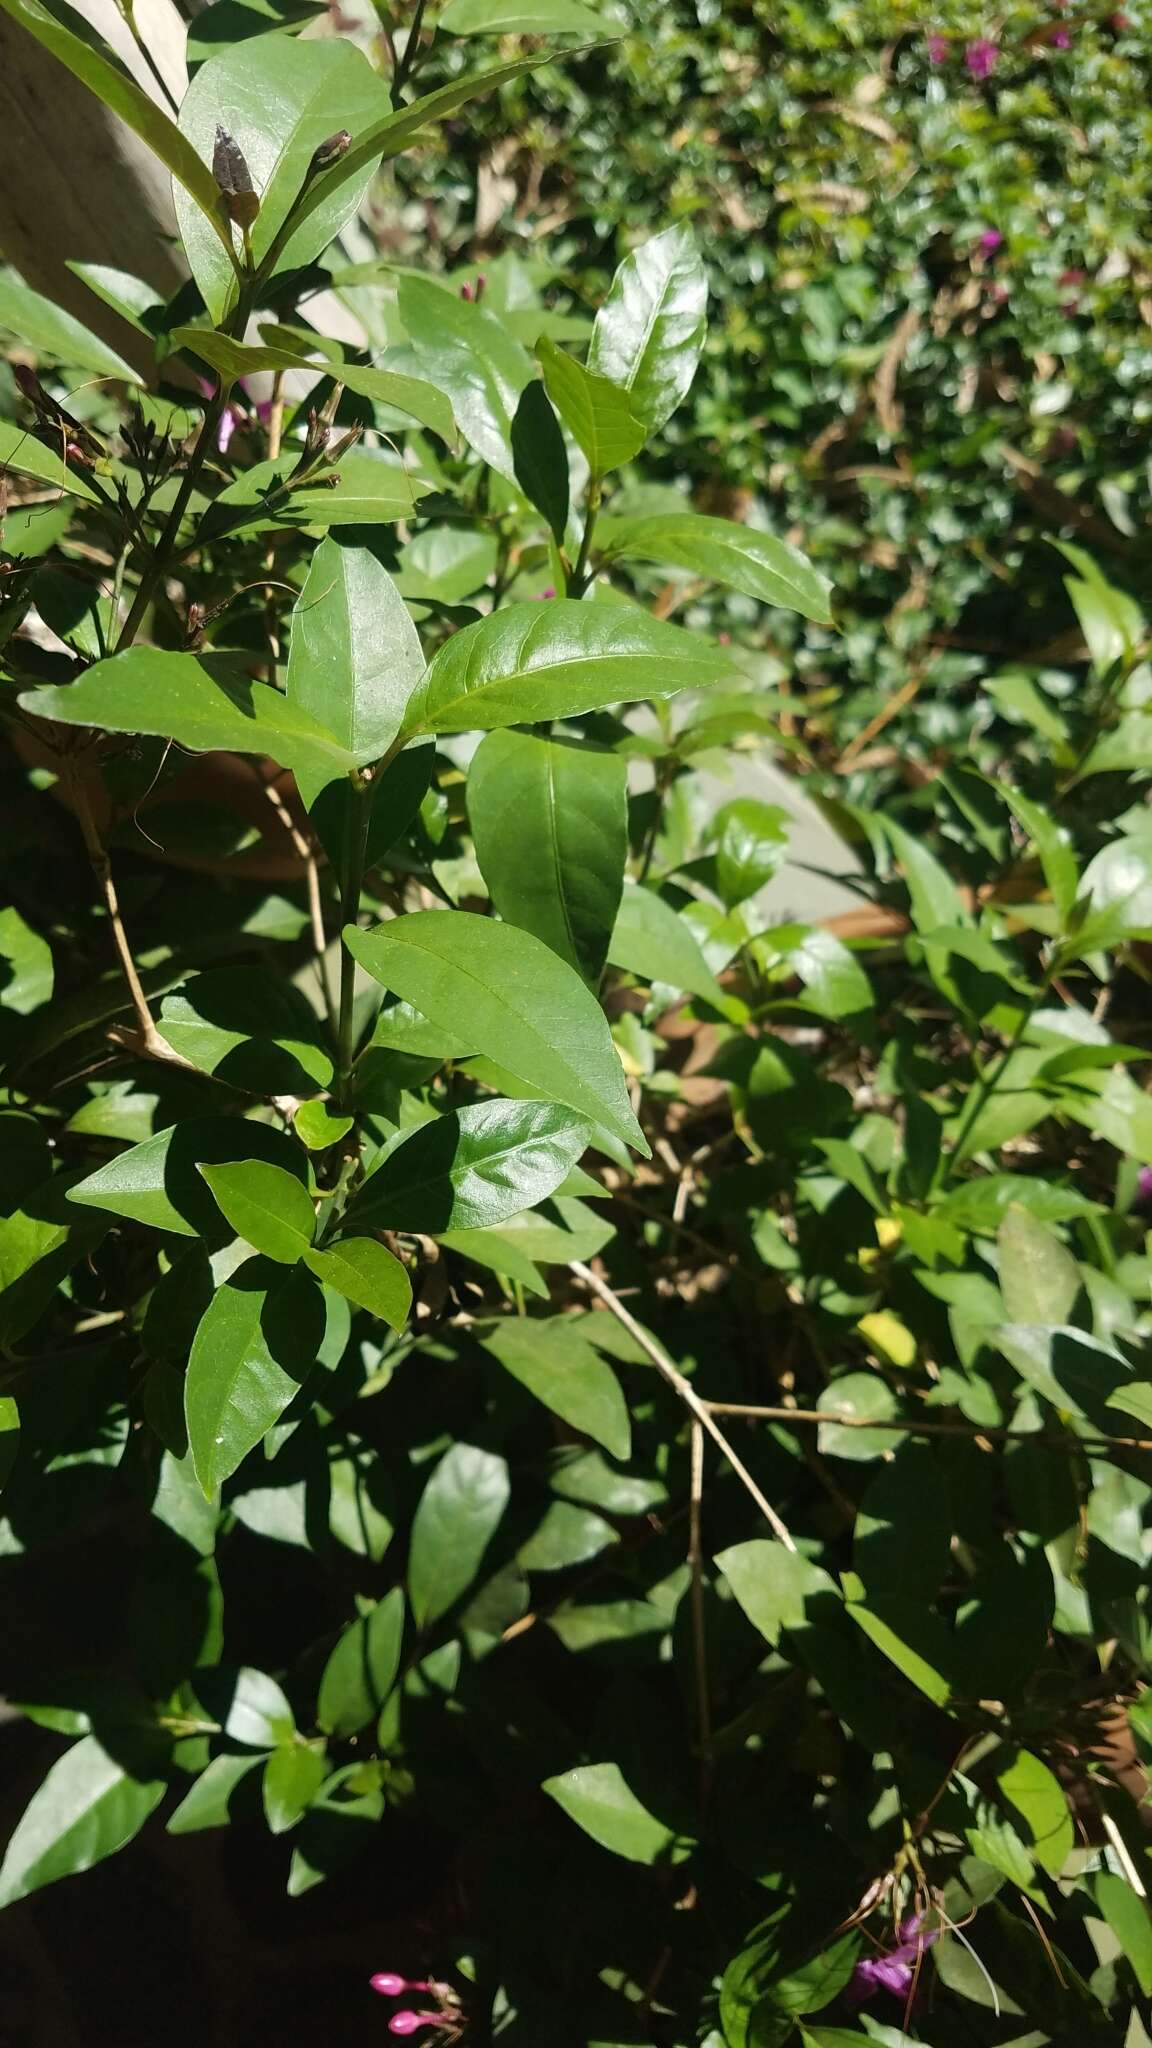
pixel 577 1406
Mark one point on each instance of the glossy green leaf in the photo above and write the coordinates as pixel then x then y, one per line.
pixel 195 702
pixel 1115 900
pixel 293 1776
pixel 267 1207
pixel 87 1807
pixel 540 458
pixel 770 570
pixel 539 661
pixel 912 1639
pixel 368 488
pixel 1130 1921
pixel 135 301
pixel 158 1182
pixel 497 1253
pixel 208 1802
pixel 19 450
pixel 600 1801
pixel 317 1127
pixel 833 982
pixel 524 1007
pixel 467 352
pixel 457 1516
pixel 249 1356
pixel 362 1668
pixel 367 1274
pixel 568 802
pixel 355 656
pixel 650 330
pixel 135 107
pixel 567 1535
pixel 934 898
pixel 858 1396
pixel 523 17
pixel 278 99
pixel 774 1585
pixel 1039 1278
pixel 557 1364
pixel 250 1028
pixel 1076 1372
pixel 26 970
pixel 39 325
pixel 1052 843
pixel 1039 1800
pixel 411 395
pixel 472 1168
pixel 751 842
pixel 596 411
pixel 651 940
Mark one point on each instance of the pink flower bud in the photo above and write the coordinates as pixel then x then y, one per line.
pixel 481 282
pixel 1060 39
pixel 991 240
pixel 550 591
pixel 938 47
pixel 981 57
pixel 466 292
pixel 388 1984
pixel 407 2022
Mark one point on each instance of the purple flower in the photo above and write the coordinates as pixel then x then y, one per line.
pixel 1144 1185
pixel 991 240
pixel 1061 39
pixel 981 57
pixel 408 2022
pixel 938 49
pixel 892 1971
pixel 543 595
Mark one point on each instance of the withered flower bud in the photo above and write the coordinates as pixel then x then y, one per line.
pixel 346 442
pixel 231 173
pixel 330 152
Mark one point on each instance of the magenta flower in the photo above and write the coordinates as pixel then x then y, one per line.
pixel 991 240
pixel 892 1971
pixel 1143 1186
pixel 389 1984
pixel 543 595
pixel 1061 39
pixel 981 57
pixel 938 49
pixel 408 2022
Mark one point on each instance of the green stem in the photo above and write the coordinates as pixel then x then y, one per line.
pixel 580 576
pixel 353 852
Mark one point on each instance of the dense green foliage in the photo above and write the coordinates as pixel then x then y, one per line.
pixel 613 1419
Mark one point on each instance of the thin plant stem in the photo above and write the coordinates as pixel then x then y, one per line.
pixel 406 64
pixel 699 1629
pixel 817 1417
pixel 701 1410
pixel 580 577
pixel 162 552
pixel 988 1082
pixel 351 882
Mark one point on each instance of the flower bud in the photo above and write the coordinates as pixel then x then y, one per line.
pixel 330 152
pixel 408 2022
pixel 388 1984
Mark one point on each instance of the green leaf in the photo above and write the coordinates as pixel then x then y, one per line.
pixel 362 1668
pixel 596 411
pixel 157 1182
pixel 293 1776
pixel 523 17
pixel 355 656
pixel 29 457
pixel 598 1799
pixel 316 1126
pixel 1039 1278
pixel 250 1028
pixel 912 1638
pixel 540 458
pixel 248 1704
pixel 1110 620
pixel 135 301
pixel 183 698
pixel 770 570
pixel 934 898
pixel 389 138
pixel 250 1354
pixel 471 1168
pixel 26 970
pixel 468 353
pixel 368 1274
pixel 858 1396
pixel 457 1516
pixel 651 940
pixel 567 803
pixel 529 662
pixel 1038 1798
pixel 39 325
pixel 87 1807
pixel 208 1802
pixel 124 97
pixel 1130 1921
pixel 1052 844
pixel 497 1253
pixel 773 1586
pixel 411 395
pixel 267 1207
pixel 650 330
pixel 368 489
pixel 1076 1372
pixel 278 99
pixel 567 1535
pixel 834 983
pixel 1115 902
pixel 524 1007
pixel 751 843
pixel 557 1364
